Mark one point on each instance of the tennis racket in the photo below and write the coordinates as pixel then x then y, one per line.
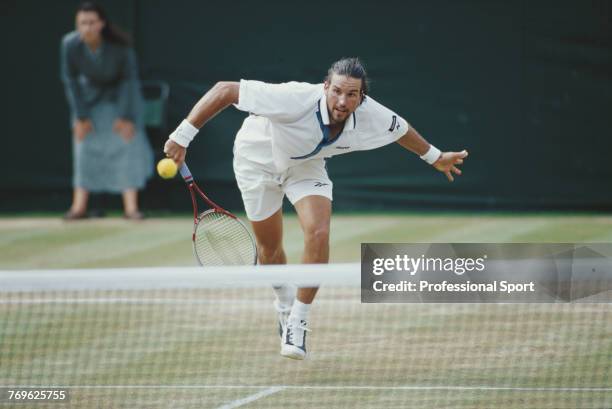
pixel 219 237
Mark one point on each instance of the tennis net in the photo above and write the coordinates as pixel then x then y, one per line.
pixel 207 338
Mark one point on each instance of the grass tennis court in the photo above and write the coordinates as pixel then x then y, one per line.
pixel 218 348
pixel 113 242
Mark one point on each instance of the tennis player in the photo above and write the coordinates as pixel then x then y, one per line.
pixel 281 148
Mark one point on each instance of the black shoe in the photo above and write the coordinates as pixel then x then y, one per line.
pixel 134 216
pixel 70 215
pixel 96 213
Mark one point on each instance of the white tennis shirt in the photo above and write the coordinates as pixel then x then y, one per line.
pixel 289 123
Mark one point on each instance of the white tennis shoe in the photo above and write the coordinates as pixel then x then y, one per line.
pixel 282 312
pixel 294 339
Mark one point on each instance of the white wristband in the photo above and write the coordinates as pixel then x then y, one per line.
pixel 184 133
pixel 432 155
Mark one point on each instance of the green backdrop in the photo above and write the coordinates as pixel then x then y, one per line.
pixel 524 86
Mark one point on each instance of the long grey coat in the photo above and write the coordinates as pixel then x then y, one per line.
pixel 103 86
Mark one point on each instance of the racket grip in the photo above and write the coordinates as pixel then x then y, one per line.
pixel 186 173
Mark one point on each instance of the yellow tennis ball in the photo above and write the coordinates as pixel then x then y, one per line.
pixel 166 168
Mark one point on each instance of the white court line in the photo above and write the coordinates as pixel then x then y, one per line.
pixel 251 398
pixel 329 387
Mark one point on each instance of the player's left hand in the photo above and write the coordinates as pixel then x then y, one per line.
pixel 125 129
pixel 448 162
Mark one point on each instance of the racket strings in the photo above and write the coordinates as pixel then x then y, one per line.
pixel 223 240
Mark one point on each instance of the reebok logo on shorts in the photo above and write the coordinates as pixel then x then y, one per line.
pixel 393 122
pixel 343 147
pixel 319 184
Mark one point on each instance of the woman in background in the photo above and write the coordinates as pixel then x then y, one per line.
pixel 111 152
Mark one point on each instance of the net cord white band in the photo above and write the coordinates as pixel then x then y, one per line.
pixel 302 275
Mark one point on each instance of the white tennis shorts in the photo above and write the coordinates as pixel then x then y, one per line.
pixel 263 189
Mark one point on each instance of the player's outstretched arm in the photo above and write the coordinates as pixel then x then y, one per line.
pixel 445 162
pixel 214 101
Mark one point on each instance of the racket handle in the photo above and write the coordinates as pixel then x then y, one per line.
pixel 186 173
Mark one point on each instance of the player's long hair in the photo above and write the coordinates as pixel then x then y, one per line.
pixel 110 32
pixel 350 67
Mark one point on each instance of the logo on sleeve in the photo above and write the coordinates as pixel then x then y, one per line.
pixel 319 184
pixel 393 123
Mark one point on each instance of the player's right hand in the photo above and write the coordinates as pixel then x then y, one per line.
pixel 81 128
pixel 175 152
